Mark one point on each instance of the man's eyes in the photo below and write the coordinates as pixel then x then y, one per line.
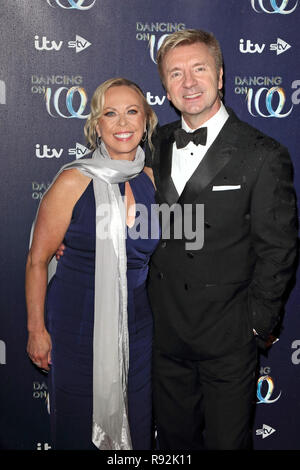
pixel 176 74
pixel 201 68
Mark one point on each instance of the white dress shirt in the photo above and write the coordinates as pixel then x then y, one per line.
pixel 186 160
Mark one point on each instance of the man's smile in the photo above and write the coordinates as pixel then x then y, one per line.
pixel 193 96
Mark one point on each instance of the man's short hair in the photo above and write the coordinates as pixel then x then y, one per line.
pixel 187 37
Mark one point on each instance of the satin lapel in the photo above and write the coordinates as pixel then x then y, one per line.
pixel 166 186
pixel 218 155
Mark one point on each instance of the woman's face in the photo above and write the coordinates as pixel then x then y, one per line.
pixel 123 122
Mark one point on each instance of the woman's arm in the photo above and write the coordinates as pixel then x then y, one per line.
pixel 53 219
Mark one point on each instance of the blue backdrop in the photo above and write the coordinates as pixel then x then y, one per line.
pixel 54 53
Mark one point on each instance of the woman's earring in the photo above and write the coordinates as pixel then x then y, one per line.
pixel 98 141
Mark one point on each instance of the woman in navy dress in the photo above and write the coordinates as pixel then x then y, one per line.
pixel 63 341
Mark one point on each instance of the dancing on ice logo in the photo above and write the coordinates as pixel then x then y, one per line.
pixel 67 103
pixel 72 4
pixel 271 100
pixel 148 32
pixel 275 7
pixel 272 110
pixel 266 397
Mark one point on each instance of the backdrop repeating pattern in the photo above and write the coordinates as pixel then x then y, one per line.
pixel 54 53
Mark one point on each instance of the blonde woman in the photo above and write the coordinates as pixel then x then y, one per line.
pixel 96 339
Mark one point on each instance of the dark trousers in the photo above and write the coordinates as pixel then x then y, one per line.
pixel 205 404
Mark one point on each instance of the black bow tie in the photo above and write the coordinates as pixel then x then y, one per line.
pixel 182 137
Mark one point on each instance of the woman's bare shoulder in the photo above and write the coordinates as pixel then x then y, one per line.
pixel 72 177
pixel 149 172
pixel 67 187
pixel 71 180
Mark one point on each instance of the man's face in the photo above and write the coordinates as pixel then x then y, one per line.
pixel 192 82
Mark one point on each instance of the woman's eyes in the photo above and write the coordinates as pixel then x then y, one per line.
pixel 114 114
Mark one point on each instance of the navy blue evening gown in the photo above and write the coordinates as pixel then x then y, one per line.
pixel 70 311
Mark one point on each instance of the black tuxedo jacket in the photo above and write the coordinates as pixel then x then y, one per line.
pixel 206 302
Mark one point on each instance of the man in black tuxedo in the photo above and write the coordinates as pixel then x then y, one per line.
pixel 213 304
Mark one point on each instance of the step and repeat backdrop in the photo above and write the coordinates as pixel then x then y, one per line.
pixel 54 53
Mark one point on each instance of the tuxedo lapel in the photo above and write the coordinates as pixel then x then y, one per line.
pixel 215 159
pixel 166 186
pixel 219 154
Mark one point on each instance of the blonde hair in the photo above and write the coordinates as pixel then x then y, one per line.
pixel 97 105
pixel 187 37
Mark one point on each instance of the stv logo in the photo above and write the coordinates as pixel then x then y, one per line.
pixel 266 431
